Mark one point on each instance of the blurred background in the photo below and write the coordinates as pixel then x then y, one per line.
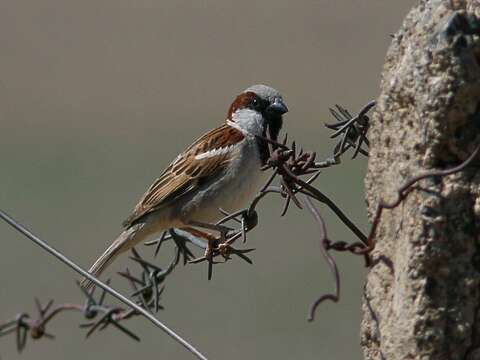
pixel 97 97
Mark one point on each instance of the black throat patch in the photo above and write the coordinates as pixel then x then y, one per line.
pixel 274 127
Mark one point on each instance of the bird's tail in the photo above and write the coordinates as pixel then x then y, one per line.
pixel 125 241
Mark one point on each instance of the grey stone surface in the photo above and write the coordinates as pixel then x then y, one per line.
pixel 422 294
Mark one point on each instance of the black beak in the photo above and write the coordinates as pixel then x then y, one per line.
pixel 278 107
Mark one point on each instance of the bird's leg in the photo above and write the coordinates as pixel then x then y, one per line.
pixel 211 240
pixel 222 229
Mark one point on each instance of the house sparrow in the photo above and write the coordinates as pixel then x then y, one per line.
pixel 220 170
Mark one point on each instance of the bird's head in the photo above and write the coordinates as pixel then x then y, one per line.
pixel 256 108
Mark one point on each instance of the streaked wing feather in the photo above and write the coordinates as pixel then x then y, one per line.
pixel 186 173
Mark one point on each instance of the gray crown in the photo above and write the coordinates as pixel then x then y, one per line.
pixel 265 92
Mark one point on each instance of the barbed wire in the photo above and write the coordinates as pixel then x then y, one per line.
pixel 288 164
pixel 21 327
pixel 295 170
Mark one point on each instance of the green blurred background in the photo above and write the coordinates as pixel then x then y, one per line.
pixel 96 97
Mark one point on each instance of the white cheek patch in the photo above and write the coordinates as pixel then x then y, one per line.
pixel 248 121
pixel 215 152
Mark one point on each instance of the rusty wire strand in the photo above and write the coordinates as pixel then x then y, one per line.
pixel 359 248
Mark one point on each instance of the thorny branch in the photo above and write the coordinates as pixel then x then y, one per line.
pixel 289 166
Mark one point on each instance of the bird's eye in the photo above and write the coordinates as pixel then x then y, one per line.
pixel 255 103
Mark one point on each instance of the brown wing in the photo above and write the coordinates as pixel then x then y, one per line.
pixel 187 171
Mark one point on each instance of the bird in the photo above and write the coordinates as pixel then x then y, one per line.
pixel 220 170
